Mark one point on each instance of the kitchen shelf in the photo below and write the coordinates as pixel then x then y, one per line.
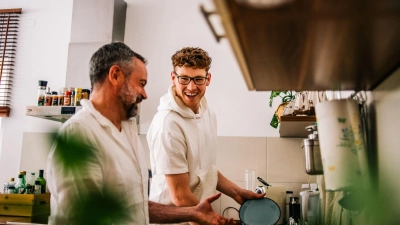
pixel 312 44
pixel 54 113
pixel 294 126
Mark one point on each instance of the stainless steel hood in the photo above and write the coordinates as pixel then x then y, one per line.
pixel 313 44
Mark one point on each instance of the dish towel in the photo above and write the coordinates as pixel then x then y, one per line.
pixel 331 212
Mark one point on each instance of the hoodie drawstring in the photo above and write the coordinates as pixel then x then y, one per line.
pixel 198 143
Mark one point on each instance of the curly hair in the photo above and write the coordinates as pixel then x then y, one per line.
pixel 195 58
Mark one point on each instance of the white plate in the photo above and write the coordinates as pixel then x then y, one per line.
pixel 263 211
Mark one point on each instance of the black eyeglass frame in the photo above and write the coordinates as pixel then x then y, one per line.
pixel 191 79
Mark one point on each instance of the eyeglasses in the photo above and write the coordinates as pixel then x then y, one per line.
pixel 185 80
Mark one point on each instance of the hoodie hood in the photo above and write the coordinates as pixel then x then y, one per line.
pixel 172 102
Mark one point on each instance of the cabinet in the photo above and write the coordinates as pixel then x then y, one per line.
pixel 312 44
pixel 295 126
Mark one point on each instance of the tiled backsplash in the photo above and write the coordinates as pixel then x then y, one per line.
pixel 279 161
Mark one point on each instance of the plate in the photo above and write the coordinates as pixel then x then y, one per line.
pixel 263 211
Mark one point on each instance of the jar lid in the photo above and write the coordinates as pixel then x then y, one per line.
pixel 68 93
pixel 54 92
pixel 42 83
pixel 78 89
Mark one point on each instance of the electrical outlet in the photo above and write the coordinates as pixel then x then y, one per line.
pixel 305 186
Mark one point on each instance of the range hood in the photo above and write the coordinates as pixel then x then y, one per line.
pixel 55 113
pixel 94 23
pixel 313 44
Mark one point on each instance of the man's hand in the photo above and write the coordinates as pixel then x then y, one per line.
pixel 207 216
pixel 245 195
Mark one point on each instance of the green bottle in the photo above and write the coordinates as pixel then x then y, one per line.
pixel 42 181
pixel 20 186
pixel 23 178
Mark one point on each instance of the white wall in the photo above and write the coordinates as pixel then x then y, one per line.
pixel 44 31
pixel 157 29
pixel 386 99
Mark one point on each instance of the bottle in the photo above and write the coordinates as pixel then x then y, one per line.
pixel 67 98
pixel 11 190
pixel 61 96
pixel 55 98
pixel 30 183
pixel 289 194
pixel 41 92
pixel 48 99
pixel 78 96
pixel 20 187
pixel 37 188
pixel 23 173
pixel 12 182
pixel 85 93
pixel 42 181
pixel 294 209
pixel 72 101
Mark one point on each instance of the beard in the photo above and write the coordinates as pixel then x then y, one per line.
pixel 130 100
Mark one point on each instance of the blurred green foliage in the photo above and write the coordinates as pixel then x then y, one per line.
pixel 93 206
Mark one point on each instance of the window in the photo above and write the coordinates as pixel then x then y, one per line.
pixel 8 42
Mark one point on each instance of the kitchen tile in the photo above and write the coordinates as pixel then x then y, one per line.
pixel 285 161
pixel 235 154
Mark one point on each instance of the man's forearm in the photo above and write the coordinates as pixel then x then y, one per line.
pixel 170 214
pixel 226 186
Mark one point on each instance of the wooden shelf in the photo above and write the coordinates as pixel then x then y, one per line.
pixel 312 44
pixel 294 126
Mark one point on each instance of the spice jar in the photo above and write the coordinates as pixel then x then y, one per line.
pixel 67 98
pixel 72 101
pixel 41 92
pixel 85 93
pixel 61 96
pixel 48 99
pixel 55 98
pixel 78 96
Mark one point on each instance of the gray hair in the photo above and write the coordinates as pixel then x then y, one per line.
pixel 116 53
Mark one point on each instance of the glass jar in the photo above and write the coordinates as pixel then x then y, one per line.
pixel 55 98
pixel 78 96
pixel 67 98
pixel 61 96
pixel 41 92
pixel 72 98
pixel 85 93
pixel 48 99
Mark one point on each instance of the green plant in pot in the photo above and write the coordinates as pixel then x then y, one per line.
pixel 286 97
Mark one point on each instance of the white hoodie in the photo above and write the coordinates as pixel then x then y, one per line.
pixel 181 141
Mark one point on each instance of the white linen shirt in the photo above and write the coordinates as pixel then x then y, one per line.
pixel 118 166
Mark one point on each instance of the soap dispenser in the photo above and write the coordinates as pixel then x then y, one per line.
pixel 312 152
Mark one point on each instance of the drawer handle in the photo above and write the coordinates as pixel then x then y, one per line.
pixel 5 207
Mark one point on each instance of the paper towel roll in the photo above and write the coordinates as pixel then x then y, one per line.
pixel 343 151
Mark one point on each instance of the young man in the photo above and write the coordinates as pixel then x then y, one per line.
pixel 183 138
pixel 96 168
